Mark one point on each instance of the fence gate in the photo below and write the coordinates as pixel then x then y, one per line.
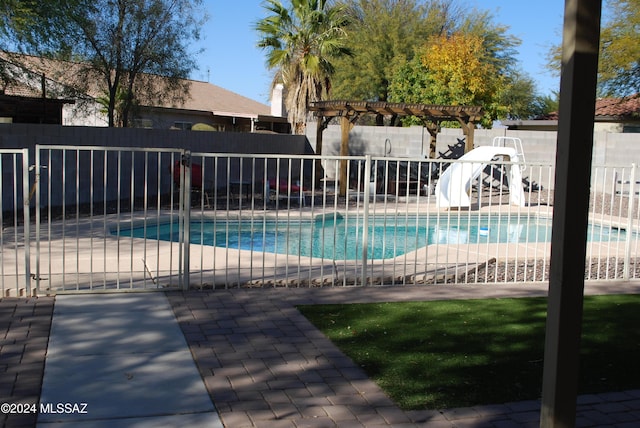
pixel 91 204
pixel 15 270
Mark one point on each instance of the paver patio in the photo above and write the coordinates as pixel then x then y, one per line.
pixel 264 364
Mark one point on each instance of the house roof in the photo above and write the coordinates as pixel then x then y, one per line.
pixel 28 76
pixel 222 102
pixel 203 96
pixel 610 109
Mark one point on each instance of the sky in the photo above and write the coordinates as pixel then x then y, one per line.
pixel 232 61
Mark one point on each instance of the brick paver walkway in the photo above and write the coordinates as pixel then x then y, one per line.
pixel 24 335
pixel 265 365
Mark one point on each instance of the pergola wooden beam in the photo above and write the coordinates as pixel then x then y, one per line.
pixel 431 116
pixel 469 114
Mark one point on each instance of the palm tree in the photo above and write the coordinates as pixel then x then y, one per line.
pixel 301 41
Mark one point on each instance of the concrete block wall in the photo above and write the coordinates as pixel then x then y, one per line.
pixel 77 181
pixel 610 149
pixel 27 136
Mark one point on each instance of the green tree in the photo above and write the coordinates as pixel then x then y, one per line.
pixel 620 50
pixel 301 43
pixel 519 97
pixel 546 104
pixel 24 22
pixel 474 63
pixel 498 45
pixel 125 45
pixel 388 39
pixel 23 25
pixel 383 35
pixel 619 62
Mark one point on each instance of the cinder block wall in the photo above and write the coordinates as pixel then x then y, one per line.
pixel 78 184
pixel 27 136
pixel 610 149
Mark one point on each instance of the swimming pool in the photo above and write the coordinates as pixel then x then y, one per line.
pixel 340 238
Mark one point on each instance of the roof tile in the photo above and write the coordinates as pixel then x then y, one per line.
pixel 619 108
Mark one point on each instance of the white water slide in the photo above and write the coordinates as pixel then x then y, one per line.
pixel 454 185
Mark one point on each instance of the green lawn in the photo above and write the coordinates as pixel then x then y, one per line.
pixel 460 353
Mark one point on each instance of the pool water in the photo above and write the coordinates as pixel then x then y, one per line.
pixel 339 238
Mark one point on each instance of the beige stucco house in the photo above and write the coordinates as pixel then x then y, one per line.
pixel 36 90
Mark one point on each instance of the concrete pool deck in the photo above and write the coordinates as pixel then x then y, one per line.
pixel 261 363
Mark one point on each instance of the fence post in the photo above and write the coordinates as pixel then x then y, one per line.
pixel 27 220
pixel 365 217
pixel 185 221
pixel 36 187
pixel 629 237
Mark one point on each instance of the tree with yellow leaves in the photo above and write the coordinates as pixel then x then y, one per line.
pixel 460 69
pixel 455 69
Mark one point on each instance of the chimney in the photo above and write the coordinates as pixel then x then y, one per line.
pixel 277 100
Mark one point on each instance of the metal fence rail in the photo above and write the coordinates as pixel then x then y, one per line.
pixel 15 263
pixel 387 228
pixel 114 219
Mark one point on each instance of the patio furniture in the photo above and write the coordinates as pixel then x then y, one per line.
pixel 197 187
pixel 282 189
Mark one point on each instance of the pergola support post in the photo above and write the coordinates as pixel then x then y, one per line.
pixel 570 217
pixel 321 125
pixel 468 128
pixel 346 125
pixel 434 130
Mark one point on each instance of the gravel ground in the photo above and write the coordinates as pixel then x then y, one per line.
pixel 599 203
pixel 538 270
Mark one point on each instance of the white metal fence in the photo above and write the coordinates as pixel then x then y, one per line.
pixel 14 261
pixel 126 219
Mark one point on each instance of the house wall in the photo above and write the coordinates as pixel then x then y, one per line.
pixel 162 119
pixel 608 127
pixel 84 113
pixel 166 119
pixel 89 113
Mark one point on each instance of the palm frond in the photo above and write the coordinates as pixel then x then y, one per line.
pixel 301 43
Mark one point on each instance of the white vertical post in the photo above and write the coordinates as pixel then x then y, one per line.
pixel 629 237
pixel 365 218
pixel 26 216
pixel 186 218
pixel 36 185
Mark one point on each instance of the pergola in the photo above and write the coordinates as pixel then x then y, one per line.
pixel 431 115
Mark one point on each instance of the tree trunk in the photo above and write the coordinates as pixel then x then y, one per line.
pixel 299 128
